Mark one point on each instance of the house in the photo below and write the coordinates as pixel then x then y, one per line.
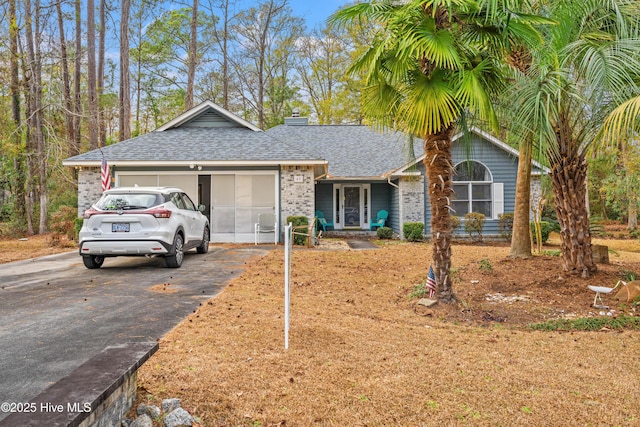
pixel 348 172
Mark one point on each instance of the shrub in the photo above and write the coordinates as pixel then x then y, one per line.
pixel 5 211
pixel 505 225
pixel 298 239
pixel 413 231
pixel 545 229
pixel 63 223
pixel 455 222
pixel 384 233
pixel 474 223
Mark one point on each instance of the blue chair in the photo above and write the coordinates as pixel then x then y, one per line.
pixel 322 222
pixel 380 221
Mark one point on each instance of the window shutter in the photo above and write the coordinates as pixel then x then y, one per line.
pixel 498 199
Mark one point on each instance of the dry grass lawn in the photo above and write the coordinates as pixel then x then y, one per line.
pixel 21 248
pixel 362 353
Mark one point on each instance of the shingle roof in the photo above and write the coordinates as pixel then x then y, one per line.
pixel 351 150
pixel 199 144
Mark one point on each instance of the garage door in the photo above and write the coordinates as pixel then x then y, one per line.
pixel 236 201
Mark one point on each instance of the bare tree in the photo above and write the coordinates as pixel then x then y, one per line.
pixel 266 35
pixel 77 73
pixel 19 183
pixel 37 159
pixel 100 73
pixel 222 38
pixel 124 122
pixel 91 76
pixel 193 57
pixel 66 84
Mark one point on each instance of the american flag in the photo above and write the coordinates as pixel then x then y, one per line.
pixel 431 282
pixel 105 175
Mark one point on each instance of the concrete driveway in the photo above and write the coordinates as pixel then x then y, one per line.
pixel 55 314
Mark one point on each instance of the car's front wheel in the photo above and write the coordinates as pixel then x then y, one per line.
pixel 204 246
pixel 93 261
pixel 175 260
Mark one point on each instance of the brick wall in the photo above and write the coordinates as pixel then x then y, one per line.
pixel 297 192
pixel 89 188
pixel 411 199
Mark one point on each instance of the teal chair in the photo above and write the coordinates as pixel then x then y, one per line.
pixel 380 221
pixel 322 222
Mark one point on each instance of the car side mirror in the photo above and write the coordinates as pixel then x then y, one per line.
pixel 202 208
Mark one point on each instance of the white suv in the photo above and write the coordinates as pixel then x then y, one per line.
pixel 149 221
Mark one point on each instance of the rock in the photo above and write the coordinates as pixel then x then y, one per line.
pixel 630 292
pixel 178 418
pixel 151 410
pixel 169 405
pixel 142 421
pixel 427 302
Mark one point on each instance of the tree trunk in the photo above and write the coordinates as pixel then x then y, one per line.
pixel 18 183
pixel 91 76
pixel 632 222
pixel 193 57
pixel 66 85
pixel 225 58
pixel 521 237
pixel 77 75
pixel 36 164
pixel 102 130
pixel 568 176
pixel 439 167
pixel 124 121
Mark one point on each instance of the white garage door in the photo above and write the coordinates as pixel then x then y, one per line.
pixel 236 201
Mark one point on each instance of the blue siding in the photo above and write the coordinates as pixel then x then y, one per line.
pixel 394 210
pixel 324 200
pixel 503 167
pixel 380 198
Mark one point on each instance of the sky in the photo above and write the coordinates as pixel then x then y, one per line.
pixel 315 11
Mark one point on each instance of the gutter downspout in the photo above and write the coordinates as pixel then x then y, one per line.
pixel 391 183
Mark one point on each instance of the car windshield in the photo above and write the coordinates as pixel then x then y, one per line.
pixel 128 201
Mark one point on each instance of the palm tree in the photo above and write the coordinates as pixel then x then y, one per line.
pixel 562 100
pixel 432 65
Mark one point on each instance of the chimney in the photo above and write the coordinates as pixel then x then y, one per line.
pixel 296 120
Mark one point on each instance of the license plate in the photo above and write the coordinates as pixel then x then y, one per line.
pixel 120 227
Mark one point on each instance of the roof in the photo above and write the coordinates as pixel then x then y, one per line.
pixel 352 151
pixel 206 146
pixel 208 109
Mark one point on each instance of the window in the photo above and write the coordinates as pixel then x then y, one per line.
pixel 188 204
pixel 472 189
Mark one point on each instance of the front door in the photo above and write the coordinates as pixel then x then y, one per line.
pixel 352 207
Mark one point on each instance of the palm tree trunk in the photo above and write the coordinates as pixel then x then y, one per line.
pixel 439 168
pixel 521 237
pixel 568 176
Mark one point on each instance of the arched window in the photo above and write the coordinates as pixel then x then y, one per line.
pixel 472 186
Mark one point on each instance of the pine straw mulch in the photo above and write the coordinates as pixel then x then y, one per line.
pixel 29 247
pixel 362 353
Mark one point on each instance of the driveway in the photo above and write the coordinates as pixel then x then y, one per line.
pixel 55 314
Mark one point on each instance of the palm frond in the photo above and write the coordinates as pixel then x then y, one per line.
pixel 429 105
pixel 624 121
